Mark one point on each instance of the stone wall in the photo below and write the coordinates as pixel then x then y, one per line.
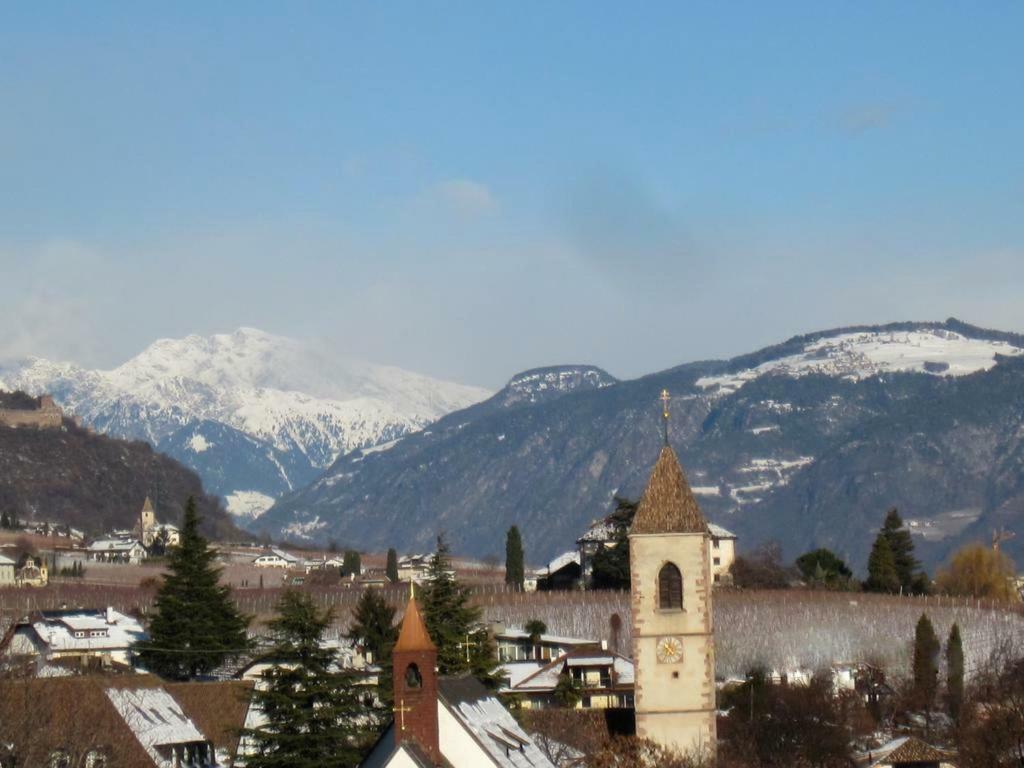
pixel 47 415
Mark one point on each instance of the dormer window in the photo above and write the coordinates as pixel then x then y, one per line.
pixel 670 588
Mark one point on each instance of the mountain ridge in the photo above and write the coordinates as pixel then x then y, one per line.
pixel 300 399
pixel 745 428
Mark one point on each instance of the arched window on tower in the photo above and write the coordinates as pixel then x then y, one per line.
pixel 412 677
pixel 670 588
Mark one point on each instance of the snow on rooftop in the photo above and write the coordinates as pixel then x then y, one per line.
pixel 563 560
pixel 862 355
pixel 58 632
pixel 155 719
pixel 499 734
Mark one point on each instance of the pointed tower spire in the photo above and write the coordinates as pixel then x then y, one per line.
pixel 668 504
pixel 414 677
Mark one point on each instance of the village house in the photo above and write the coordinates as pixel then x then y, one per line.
pixel 515 645
pixel 116 551
pixel 449 721
pixel 78 638
pixel 7 567
pixel 277 558
pixel 97 721
pixel 599 679
pixel 601 534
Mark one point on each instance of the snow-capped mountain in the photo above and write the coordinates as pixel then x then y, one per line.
pixel 807 442
pixel 298 398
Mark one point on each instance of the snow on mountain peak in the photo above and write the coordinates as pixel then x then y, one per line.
pixel 863 354
pixel 296 395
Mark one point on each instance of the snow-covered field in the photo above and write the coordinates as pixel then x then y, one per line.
pixel 861 355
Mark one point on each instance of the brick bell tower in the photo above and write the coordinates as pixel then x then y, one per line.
pixel 414 660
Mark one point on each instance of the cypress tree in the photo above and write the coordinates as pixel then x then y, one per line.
pixel 926 662
pixel 351 563
pixel 514 571
pixel 955 672
pixel 902 547
pixel 197 625
pixel 5 521
pixel 314 714
pixel 373 627
pixel 392 566
pixel 882 573
pixel 455 625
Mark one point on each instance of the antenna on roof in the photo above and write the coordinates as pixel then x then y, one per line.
pixel 665 398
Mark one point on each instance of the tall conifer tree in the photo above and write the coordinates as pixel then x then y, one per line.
pixel 954 672
pixel 373 626
pixel 902 547
pixel 926 662
pixel 197 625
pixel 392 565
pixel 514 570
pixel 314 714
pixel 882 573
pixel 455 625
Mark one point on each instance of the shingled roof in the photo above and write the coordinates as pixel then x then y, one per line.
pixel 668 504
pixel 911 752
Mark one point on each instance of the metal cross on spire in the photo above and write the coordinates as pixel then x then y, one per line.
pixel 665 398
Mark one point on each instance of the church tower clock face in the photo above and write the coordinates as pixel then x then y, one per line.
pixel 669 650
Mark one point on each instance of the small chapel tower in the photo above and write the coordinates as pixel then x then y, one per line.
pixel 147 518
pixel 673 645
pixel 414 672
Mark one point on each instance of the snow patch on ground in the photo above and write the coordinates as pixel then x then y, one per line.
pixel 862 355
pixel 303 530
pixel 198 443
pixel 706 490
pixel 248 505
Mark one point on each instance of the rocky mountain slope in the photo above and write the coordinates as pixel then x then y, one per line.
pixel 245 406
pixel 96 483
pixel 807 442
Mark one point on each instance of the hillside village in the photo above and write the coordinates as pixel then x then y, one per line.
pixel 506 680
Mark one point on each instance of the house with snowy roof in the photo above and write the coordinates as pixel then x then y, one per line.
pixel 446 721
pixel 116 551
pixel 101 638
pixel 599 678
pixel 7 567
pixel 97 721
pixel 277 558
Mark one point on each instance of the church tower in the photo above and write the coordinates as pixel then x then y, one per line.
pixel 673 645
pixel 414 672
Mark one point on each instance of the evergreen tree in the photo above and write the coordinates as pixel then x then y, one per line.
pixel 351 563
pixel 455 625
pixel 5 521
pixel 610 564
pixel 373 627
pixel 955 672
pixel 197 625
pixel 926 663
pixel 314 713
pixel 514 571
pixel 392 566
pixel 882 573
pixel 823 567
pixel 902 547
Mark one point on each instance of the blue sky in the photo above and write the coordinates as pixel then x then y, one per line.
pixel 470 189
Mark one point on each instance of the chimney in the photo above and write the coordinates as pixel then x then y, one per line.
pixel 414 665
pixel 110 614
